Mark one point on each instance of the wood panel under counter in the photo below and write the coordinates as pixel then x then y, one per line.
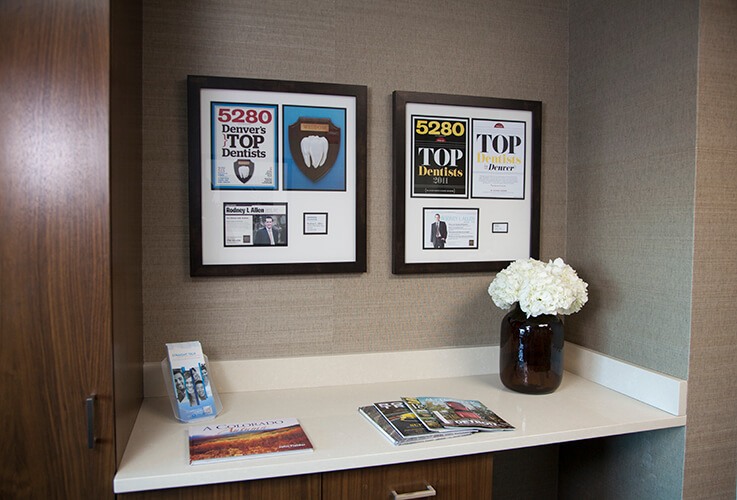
pixel 443 479
pixel 305 487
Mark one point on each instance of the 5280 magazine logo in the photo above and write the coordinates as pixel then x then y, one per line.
pixel 440 160
pixel 244 146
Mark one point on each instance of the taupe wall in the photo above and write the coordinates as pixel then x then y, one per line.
pixel 642 466
pixel 632 140
pixel 631 168
pixel 511 49
pixel 623 203
pixel 711 436
pixel 652 164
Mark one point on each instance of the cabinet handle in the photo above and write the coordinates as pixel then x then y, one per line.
pixel 90 406
pixel 428 492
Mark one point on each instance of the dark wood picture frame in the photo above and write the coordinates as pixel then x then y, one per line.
pixel 250 100
pixel 463 110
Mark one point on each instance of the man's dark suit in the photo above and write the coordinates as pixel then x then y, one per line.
pixel 439 241
pixel 262 237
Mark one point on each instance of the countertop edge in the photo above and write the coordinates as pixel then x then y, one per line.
pixel 647 401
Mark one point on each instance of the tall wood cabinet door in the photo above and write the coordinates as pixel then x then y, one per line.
pixel 467 477
pixel 55 301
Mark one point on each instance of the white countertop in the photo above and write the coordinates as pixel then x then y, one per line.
pixel 156 455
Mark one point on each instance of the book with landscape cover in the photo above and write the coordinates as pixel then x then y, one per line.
pixel 221 442
pixel 438 413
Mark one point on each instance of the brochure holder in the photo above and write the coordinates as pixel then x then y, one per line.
pixel 189 384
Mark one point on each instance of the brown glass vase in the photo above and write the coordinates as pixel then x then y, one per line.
pixel 531 352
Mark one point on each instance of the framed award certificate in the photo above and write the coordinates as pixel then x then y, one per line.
pixel 270 162
pixel 466 191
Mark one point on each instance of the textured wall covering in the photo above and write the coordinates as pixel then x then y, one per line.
pixel 512 49
pixel 664 253
pixel 711 436
pixel 638 194
pixel 632 136
pixel 628 467
pixel 631 177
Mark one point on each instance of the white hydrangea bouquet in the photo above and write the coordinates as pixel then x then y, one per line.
pixel 539 288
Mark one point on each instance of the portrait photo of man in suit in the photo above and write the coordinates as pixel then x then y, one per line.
pixel 268 234
pixel 438 232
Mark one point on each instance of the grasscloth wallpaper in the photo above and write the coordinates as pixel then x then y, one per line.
pixel 632 133
pixel 510 49
pixel 651 215
pixel 637 194
pixel 631 177
pixel 711 436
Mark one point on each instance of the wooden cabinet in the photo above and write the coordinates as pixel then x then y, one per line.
pixel 70 300
pixel 449 478
pixel 306 487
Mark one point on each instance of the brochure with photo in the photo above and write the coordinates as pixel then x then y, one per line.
pixel 189 384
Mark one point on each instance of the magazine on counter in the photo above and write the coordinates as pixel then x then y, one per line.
pixel 224 442
pixel 401 418
pixel 440 414
pixel 424 415
pixel 394 436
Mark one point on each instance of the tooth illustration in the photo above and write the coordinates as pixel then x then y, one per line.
pixel 314 150
pixel 325 147
pixel 305 146
pixel 243 172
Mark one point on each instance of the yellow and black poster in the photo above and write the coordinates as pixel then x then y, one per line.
pixel 440 157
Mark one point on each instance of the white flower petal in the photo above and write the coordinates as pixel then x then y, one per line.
pixel 539 288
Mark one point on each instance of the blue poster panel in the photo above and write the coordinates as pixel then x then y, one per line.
pixel 314 148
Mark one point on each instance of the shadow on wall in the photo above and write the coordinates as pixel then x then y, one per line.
pixel 526 474
pixel 594 468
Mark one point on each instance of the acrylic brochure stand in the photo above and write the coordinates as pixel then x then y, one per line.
pixel 199 400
